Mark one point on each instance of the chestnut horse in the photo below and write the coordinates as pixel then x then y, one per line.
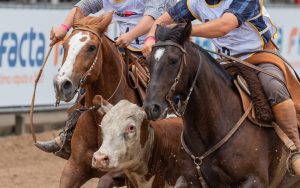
pixel 250 158
pixel 91 61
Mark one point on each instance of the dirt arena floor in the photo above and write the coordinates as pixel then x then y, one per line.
pixel 22 165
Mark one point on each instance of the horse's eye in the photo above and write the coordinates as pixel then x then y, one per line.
pixel 173 61
pixel 91 48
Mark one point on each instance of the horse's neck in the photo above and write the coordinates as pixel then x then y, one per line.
pixel 216 104
pixel 158 155
pixel 109 78
pixel 166 148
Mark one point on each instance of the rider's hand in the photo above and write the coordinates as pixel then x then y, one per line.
pixel 124 40
pixel 57 34
pixel 149 42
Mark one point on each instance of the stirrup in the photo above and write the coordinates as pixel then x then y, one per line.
pixel 291 158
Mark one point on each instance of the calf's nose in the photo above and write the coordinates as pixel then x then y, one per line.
pixel 100 160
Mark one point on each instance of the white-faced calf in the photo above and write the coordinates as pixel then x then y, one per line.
pixel 149 153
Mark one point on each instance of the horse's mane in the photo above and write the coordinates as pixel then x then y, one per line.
pixel 92 22
pixel 87 21
pixel 180 33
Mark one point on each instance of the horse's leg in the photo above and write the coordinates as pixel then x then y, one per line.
pixel 112 179
pixel 254 182
pixel 73 175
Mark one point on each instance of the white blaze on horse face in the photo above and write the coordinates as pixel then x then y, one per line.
pixel 76 43
pixel 159 53
pixel 121 143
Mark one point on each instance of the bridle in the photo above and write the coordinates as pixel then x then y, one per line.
pixel 83 80
pixel 198 160
pixel 179 111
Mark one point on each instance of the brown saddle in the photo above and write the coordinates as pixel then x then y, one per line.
pixel 251 91
pixel 137 73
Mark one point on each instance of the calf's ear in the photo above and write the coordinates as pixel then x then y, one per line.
pixel 104 106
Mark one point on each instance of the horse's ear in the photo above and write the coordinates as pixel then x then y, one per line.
pixel 104 23
pixel 78 14
pixel 157 31
pixel 186 31
pixel 105 106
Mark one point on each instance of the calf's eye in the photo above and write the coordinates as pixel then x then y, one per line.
pixel 130 129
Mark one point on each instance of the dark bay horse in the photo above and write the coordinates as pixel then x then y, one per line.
pixel 251 157
pixel 91 61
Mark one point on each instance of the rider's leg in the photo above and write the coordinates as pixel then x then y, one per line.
pixel 282 106
pixel 61 145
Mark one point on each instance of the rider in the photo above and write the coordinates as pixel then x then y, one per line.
pixel 236 27
pixel 134 19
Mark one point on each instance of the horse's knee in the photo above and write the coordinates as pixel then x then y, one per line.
pixel 112 179
pixel 71 176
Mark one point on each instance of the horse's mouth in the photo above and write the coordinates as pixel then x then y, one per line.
pixel 164 113
pixel 64 92
pixel 154 113
pixel 65 97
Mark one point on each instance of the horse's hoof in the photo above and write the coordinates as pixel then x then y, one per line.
pixel 48 146
pixel 295 164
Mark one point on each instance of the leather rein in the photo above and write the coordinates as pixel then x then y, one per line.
pixel 178 111
pixel 83 80
pixel 198 160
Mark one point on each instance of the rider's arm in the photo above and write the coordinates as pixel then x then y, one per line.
pixel 238 12
pixel 153 10
pixel 140 29
pixel 216 28
pixel 177 13
pixel 86 6
pixel 90 6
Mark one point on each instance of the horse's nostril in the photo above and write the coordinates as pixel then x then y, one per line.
pixel 155 108
pixel 67 85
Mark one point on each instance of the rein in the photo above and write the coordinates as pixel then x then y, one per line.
pixel 198 160
pixel 178 112
pixel 33 95
pixel 82 80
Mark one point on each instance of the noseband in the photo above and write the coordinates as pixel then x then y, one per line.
pixel 179 111
pixel 83 80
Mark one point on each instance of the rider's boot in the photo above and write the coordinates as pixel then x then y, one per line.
pixel 61 145
pixel 286 118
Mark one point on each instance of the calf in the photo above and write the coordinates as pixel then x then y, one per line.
pixel 149 153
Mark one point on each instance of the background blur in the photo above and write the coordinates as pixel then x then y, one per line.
pixel 24 39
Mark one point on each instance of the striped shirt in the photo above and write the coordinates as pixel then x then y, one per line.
pixel 243 10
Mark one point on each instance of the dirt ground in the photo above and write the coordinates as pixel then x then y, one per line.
pixel 22 165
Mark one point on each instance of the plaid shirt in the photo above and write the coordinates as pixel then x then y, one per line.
pixel 242 9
